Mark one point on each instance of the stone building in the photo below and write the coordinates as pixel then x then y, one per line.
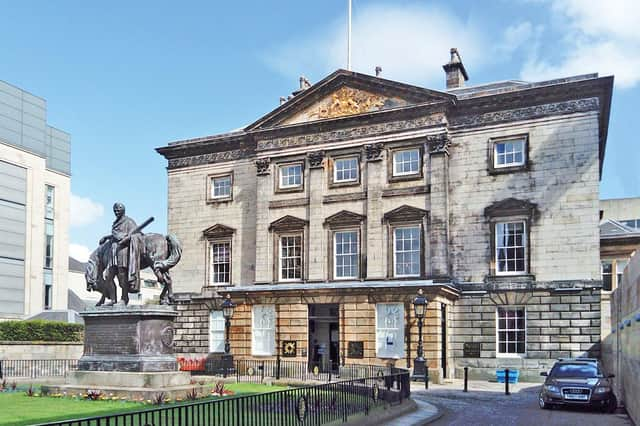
pixel 325 217
pixel 35 189
pixel 619 239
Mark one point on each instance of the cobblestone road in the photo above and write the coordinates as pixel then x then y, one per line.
pixel 486 404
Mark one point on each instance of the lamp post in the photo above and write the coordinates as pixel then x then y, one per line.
pixel 419 364
pixel 227 312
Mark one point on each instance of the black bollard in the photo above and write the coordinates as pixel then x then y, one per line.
pixel 426 376
pixel 466 379
pixel 506 381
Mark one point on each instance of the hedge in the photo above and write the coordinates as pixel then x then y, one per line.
pixel 40 330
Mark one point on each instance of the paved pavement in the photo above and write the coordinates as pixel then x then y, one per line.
pixel 486 404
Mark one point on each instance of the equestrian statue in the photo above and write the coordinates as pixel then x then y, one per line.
pixel 125 252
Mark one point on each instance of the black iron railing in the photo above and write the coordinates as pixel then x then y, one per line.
pixel 333 402
pixel 36 368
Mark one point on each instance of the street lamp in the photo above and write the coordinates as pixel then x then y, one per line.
pixel 419 364
pixel 227 312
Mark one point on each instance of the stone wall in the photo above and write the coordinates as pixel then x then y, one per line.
pixel 556 326
pixel 621 348
pixel 40 350
pixel 356 318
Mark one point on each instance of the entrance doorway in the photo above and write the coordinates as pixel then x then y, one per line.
pixel 324 337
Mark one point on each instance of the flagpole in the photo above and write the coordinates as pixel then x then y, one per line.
pixel 349 37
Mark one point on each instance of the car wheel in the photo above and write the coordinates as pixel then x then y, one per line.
pixel 543 404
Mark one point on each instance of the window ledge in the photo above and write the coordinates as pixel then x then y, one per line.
pixel 404 178
pixel 219 200
pixel 508 169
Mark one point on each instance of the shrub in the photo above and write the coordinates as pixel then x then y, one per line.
pixel 40 330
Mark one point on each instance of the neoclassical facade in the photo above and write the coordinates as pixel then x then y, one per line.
pixel 325 217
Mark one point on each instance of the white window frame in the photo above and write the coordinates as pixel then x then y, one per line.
pixel 393 247
pixel 409 173
pixel 524 245
pixel 523 149
pixel 212 193
pixel 212 274
pixel 335 254
pixel 383 334
pixel 281 185
pixel 289 235
pixel 335 170
pixel 266 332
pixel 510 354
pixel 216 344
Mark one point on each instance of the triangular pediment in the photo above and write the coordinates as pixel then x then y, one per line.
pixel 344 218
pixel 345 94
pixel 218 230
pixel 510 207
pixel 405 213
pixel 287 223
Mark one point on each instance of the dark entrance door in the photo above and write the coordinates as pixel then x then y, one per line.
pixel 324 336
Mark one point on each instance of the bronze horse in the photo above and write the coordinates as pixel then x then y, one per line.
pixel 159 252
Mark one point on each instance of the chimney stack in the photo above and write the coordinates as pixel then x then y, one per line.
pixel 455 72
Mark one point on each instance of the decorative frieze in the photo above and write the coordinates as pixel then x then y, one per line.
pixel 528 113
pixel 209 158
pixel 351 133
pixel 262 166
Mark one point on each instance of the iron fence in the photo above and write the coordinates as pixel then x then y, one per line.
pixel 36 368
pixel 332 402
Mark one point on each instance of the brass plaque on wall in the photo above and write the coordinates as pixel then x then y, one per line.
pixel 355 349
pixel 471 350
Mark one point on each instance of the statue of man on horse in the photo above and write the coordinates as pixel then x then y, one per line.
pixel 126 251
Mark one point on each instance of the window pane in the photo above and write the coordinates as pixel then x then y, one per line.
pixel 220 262
pixel 510 247
pixel 346 254
pixel 216 331
pixel 221 187
pixel 291 257
pixel 263 329
pixel 346 170
pixel 511 330
pixel 291 176
pixel 406 162
pixel 509 153
pixel 407 251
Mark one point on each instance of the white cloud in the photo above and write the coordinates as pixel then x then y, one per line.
pixel 84 211
pixel 599 36
pixel 515 37
pixel 409 42
pixel 79 252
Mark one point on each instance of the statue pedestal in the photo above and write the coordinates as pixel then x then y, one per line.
pixel 129 339
pixel 128 352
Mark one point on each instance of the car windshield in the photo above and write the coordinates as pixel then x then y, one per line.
pixel 575 370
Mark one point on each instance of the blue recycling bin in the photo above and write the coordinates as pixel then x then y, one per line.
pixel 513 376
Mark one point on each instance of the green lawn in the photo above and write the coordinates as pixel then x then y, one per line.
pixel 18 409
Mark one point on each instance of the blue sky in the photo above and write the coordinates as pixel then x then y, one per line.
pixel 126 77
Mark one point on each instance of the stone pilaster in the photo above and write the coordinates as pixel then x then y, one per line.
pixel 376 239
pixel 264 182
pixel 317 235
pixel 438 231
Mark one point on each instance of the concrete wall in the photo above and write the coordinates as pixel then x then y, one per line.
pixel 54 350
pixel 621 348
pixel 620 208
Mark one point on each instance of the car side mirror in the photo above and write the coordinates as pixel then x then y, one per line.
pixel 611 376
pixel 544 373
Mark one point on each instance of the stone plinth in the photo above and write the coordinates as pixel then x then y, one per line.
pixel 129 339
